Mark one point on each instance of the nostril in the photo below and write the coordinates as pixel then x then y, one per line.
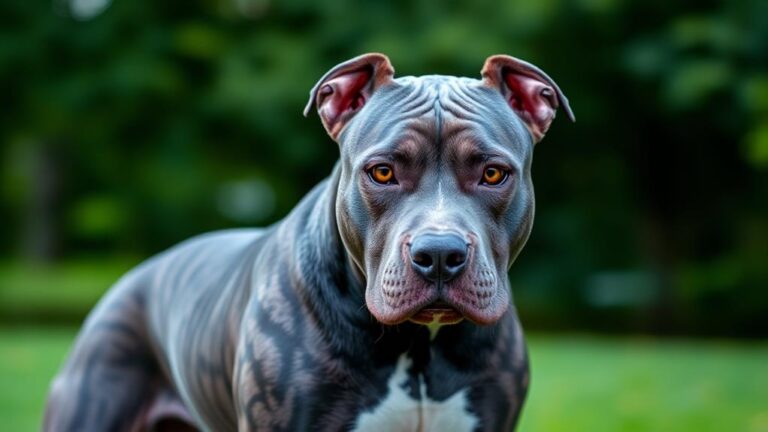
pixel 422 259
pixel 455 259
pixel 438 257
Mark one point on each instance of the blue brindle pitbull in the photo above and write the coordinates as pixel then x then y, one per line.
pixel 380 303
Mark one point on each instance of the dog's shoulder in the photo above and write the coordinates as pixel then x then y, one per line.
pixel 206 260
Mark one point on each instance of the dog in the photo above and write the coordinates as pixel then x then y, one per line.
pixel 380 303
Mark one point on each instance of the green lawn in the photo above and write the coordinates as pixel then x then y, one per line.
pixel 579 383
pixel 29 357
pixel 595 384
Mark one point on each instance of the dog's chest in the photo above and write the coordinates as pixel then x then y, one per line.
pixel 399 411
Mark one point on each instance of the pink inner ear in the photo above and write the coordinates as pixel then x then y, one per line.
pixel 533 100
pixel 341 96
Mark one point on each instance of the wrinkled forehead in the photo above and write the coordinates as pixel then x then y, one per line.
pixel 441 111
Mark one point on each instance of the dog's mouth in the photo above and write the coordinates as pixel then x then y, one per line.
pixel 439 312
pixel 399 294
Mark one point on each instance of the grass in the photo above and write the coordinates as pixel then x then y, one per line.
pixel 29 357
pixel 580 383
pixel 594 384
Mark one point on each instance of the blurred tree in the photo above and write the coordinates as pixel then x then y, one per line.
pixel 151 122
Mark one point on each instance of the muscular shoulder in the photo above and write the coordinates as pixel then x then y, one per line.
pixel 204 266
pixel 206 252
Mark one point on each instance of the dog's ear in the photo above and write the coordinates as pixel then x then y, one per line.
pixel 531 93
pixel 346 88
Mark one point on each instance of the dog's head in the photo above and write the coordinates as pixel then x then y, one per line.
pixel 435 198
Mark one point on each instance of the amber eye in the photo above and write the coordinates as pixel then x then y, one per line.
pixel 493 176
pixel 382 174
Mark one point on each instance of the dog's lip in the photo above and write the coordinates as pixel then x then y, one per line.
pixel 438 312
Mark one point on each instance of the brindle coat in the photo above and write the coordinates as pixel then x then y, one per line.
pixel 300 326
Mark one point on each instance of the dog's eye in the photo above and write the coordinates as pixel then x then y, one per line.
pixel 382 174
pixel 494 176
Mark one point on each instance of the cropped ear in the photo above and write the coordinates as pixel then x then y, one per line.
pixel 346 88
pixel 530 92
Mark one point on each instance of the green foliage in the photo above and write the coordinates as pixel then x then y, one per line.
pixel 64 292
pixel 149 122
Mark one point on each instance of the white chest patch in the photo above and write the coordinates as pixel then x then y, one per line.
pixel 399 412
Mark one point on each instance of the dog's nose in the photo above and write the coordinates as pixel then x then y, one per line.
pixel 438 257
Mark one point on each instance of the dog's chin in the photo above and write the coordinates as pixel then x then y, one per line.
pixel 439 312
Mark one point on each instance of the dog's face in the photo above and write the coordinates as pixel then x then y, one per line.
pixel 435 198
